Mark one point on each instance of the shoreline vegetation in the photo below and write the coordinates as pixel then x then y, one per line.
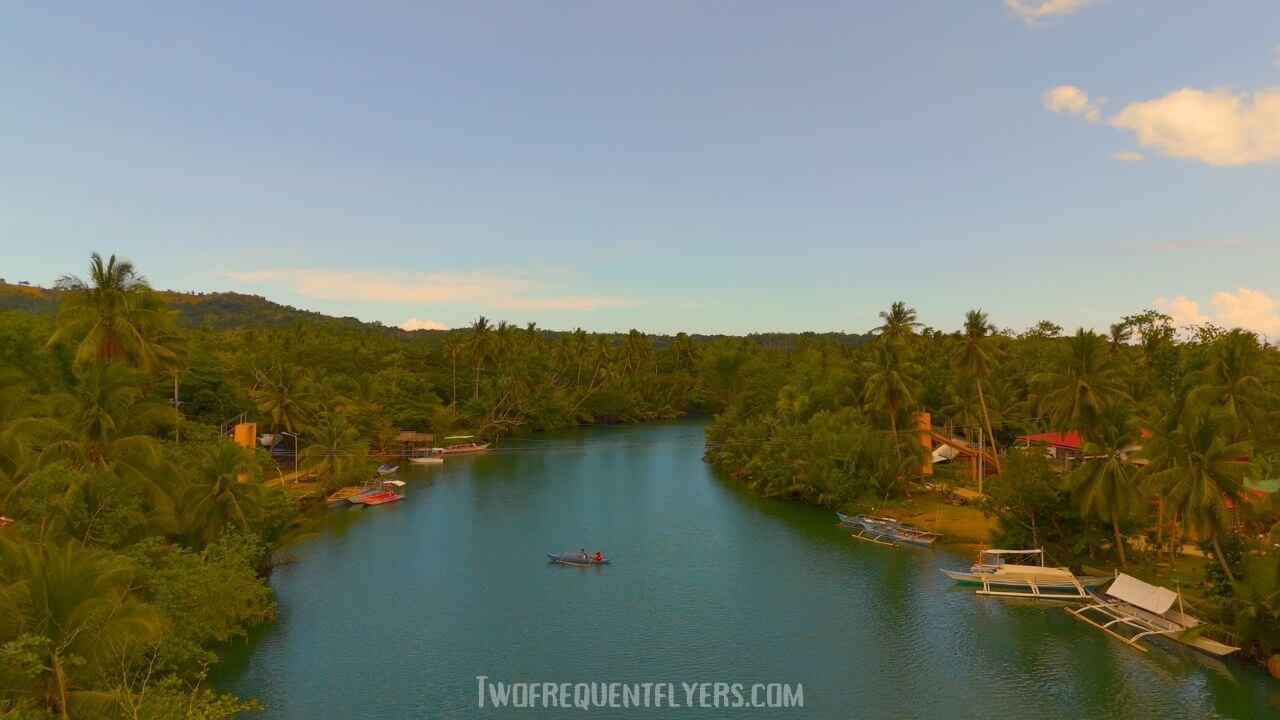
pixel 137 536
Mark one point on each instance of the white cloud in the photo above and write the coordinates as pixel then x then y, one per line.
pixel 1183 310
pixel 481 288
pixel 1252 310
pixel 1071 100
pixel 1127 156
pixel 1217 127
pixel 416 324
pixel 1032 11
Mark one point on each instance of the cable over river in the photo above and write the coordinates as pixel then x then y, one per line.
pixel 393 612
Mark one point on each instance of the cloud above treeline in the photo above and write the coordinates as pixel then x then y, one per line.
pixel 1033 11
pixel 416 324
pixel 1217 127
pixel 1251 310
pixel 476 288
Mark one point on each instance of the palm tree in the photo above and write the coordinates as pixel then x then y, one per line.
pixel 216 500
pixel 284 396
pixel 336 450
pixel 112 316
pixel 891 383
pixel 1104 485
pixel 976 357
pixel 684 351
pixel 1237 377
pixel 1199 471
pixel 454 346
pixel 1256 602
pixel 899 322
pixel 76 611
pixel 105 422
pixel 481 348
pixel 1086 379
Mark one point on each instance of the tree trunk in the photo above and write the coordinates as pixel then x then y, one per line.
pixel 1115 529
pixel 986 419
pixel 1222 559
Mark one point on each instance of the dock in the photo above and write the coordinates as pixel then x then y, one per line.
pixel 341 495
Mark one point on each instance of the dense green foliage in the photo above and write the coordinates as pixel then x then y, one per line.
pixel 140 532
pixel 1171 428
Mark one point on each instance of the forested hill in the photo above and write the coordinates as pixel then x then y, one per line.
pixel 219 310
pixel 231 310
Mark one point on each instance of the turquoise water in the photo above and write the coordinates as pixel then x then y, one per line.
pixel 394 610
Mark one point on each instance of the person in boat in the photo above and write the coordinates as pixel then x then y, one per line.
pixel 583 553
pixel 597 557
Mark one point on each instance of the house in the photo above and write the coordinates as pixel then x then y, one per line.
pixel 409 443
pixel 1063 447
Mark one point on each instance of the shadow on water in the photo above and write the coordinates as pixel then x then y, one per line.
pixel 392 612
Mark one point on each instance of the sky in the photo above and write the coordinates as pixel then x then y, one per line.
pixel 712 166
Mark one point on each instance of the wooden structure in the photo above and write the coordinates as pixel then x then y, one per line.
pixel 409 443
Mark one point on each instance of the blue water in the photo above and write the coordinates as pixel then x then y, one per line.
pixel 394 610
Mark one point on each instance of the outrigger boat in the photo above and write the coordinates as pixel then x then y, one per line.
pixel 576 558
pixel 1132 610
pixel 385 469
pixel 433 457
pixel 391 491
pixel 459 448
pixel 370 487
pixel 887 531
pixel 994 574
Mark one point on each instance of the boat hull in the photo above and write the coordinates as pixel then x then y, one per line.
pixel 887 531
pixel 382 499
pixel 575 559
pixel 427 461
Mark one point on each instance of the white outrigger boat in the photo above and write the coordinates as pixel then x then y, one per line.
pixel 1131 610
pixel 995 574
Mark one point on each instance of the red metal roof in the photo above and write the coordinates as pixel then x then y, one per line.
pixel 1070 439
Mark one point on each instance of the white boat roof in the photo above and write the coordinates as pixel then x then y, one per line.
pixel 1151 598
pixel 397 483
pixel 458 437
pixel 1013 552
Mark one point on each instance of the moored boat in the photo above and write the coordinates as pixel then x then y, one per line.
pixel 996 574
pixel 887 531
pixel 391 491
pixel 385 469
pixel 459 448
pixel 577 558
pixel 427 460
pixel 1132 610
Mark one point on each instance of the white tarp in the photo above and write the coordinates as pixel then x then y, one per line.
pixel 1127 588
pixel 944 453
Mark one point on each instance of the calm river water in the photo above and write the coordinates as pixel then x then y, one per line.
pixel 394 610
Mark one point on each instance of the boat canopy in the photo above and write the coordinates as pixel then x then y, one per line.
pixel 1151 598
pixel 1013 552
pixel 397 483
pixel 458 437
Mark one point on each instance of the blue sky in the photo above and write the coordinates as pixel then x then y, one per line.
pixel 712 166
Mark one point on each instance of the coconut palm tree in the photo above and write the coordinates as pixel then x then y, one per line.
pixel 76 612
pixel 684 351
pixel 891 383
pixel 105 422
pixel 1237 377
pixel 1085 380
pixel 454 347
pixel 216 501
pixel 1255 602
pixel 1198 471
pixel 1104 486
pixel 482 348
pixel 975 356
pixel 112 316
pixel 284 395
pixel 899 322
pixel 336 450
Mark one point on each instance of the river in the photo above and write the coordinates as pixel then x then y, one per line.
pixel 395 610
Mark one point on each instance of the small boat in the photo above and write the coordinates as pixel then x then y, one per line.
pixel 385 469
pixel 391 491
pixel 459 448
pixel 370 487
pixel 576 558
pixel 1131 610
pixel 996 575
pixel 427 460
pixel 887 531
